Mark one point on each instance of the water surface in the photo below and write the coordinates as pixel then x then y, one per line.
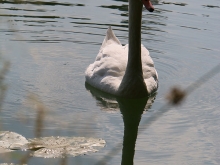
pixel 49 45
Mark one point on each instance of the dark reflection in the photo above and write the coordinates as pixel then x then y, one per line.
pixel 50 3
pixel 106 102
pixel 17 9
pixel 124 7
pixel 131 110
pixel 121 0
pixel 175 3
pixel 155 2
pixel 31 16
pixel 211 6
pixel 121 8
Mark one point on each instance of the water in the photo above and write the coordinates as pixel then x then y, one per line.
pixel 49 45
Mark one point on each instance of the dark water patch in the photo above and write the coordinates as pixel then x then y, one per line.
pixel 38 41
pixel 205 49
pixel 30 16
pixel 190 27
pixel 161 11
pixel 121 0
pixel 121 8
pixel 50 3
pixel 34 25
pixel 150 22
pixel 211 6
pixel 17 9
pixel 175 3
pixel 124 21
pixel 122 14
pixel 187 14
pixel 37 21
pixel 205 15
pixel 19 31
pixel 8 30
pixel 81 18
pixel 151 40
pixel 148 30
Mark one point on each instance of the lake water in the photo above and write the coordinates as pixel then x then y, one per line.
pixel 50 44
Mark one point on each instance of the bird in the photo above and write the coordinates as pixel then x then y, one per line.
pixel 125 71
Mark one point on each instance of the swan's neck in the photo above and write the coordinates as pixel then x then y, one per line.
pixel 135 15
pixel 132 85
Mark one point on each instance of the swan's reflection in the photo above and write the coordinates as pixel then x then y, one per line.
pixel 132 110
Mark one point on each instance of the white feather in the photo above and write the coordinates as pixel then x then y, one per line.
pixel 109 67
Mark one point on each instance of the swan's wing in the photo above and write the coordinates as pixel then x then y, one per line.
pixel 149 71
pixel 108 68
pixel 110 38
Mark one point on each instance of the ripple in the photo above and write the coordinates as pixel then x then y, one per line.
pixel 31 16
pixel 167 67
pixel 175 3
pixel 120 8
pixel 97 25
pixel 191 27
pixel 211 6
pixel 52 3
pixel 17 9
pixel 50 61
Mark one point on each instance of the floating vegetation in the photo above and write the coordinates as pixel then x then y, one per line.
pixel 11 141
pixel 49 147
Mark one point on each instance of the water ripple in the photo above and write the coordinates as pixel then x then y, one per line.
pixel 31 16
pixel 17 9
pixel 52 3
pixel 211 6
pixel 175 3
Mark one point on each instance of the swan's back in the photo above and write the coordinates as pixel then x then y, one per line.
pixel 107 71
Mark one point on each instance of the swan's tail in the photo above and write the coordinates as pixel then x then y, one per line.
pixel 110 38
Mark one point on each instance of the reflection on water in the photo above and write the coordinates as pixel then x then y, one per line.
pixel 123 7
pixel 175 3
pixel 105 101
pixel 131 110
pixel 52 3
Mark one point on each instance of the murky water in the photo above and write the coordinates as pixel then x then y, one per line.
pixel 49 45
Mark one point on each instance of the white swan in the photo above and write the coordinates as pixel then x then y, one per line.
pixel 126 71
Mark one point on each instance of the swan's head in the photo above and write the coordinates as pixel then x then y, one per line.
pixel 148 5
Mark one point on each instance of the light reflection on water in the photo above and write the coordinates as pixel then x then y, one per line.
pixel 50 44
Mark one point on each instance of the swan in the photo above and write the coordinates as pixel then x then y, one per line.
pixel 125 71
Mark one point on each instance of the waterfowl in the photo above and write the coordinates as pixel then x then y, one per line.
pixel 125 71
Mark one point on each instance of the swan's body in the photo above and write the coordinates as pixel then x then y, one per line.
pixel 126 71
pixel 107 71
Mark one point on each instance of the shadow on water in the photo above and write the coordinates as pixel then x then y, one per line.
pixel 131 110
